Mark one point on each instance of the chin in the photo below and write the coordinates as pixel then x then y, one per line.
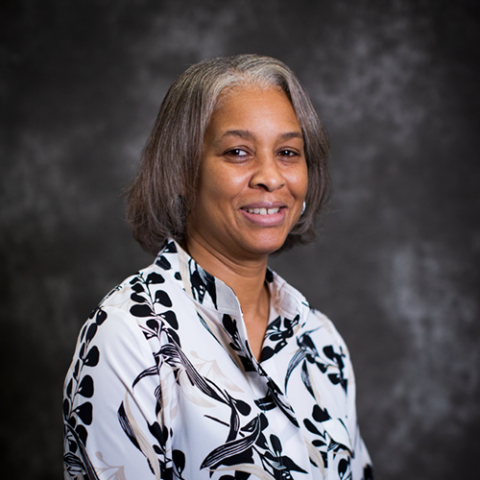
pixel 267 246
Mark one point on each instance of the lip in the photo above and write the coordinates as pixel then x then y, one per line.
pixel 264 205
pixel 271 220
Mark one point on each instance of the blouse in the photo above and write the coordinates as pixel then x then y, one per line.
pixel 163 385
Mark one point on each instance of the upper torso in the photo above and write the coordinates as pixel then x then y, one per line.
pixel 164 385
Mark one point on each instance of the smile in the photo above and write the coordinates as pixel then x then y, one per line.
pixel 263 211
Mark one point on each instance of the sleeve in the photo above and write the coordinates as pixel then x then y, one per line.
pixel 361 465
pixel 114 426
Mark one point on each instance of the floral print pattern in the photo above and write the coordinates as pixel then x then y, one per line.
pixel 163 385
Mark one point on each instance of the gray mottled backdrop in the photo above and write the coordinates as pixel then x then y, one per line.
pixel 396 264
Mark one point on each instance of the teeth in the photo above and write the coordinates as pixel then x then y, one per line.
pixel 263 211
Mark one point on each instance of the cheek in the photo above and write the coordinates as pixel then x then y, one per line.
pixel 209 184
pixel 299 182
pixel 223 184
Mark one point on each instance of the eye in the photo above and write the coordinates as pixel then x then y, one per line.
pixel 286 152
pixel 237 152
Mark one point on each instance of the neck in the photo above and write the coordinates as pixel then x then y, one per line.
pixel 246 278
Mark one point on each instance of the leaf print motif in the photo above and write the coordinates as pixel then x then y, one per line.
pixel 342 467
pixel 158 398
pixel 101 316
pixel 170 247
pixel 73 465
pixel 277 335
pixel 136 286
pixel 81 431
pixel 368 472
pixel 88 357
pixel 142 311
pixel 137 298
pixel 337 358
pixel 171 354
pixel 98 314
pixel 229 449
pixel 178 458
pixel 298 358
pixel 175 357
pixel 78 457
pixel 269 275
pixel 289 465
pixel 162 298
pixel 211 369
pixel 76 370
pixel 240 443
pixel 277 465
pixel 315 455
pixel 305 377
pixel 81 385
pixel 307 352
pixel 93 355
pixel 327 436
pixel 265 403
pixel 276 444
pixel 86 387
pixel 114 472
pixel 275 397
pixel 161 434
pixel 68 392
pixel 312 428
pixel 154 279
pixel 162 262
pixel 252 469
pixel 91 474
pixel 84 411
pixel 230 325
pixel 125 424
pixel 171 318
pixel 319 414
pixel 146 373
pixel 202 282
pixel 236 407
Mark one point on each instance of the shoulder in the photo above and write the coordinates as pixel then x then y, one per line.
pixel 325 326
pixel 122 320
pixel 120 339
pixel 312 323
pixel 143 294
pixel 110 388
pixel 320 340
pixel 145 283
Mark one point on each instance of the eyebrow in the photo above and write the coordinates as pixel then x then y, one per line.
pixel 246 134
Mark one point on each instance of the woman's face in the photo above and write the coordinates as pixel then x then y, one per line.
pixel 252 176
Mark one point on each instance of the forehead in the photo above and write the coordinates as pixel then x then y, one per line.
pixel 258 106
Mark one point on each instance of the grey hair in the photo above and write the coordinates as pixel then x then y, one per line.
pixel 163 191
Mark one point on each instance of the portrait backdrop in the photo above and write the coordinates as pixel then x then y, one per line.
pixel 396 260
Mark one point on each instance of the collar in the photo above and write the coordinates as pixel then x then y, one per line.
pixel 212 293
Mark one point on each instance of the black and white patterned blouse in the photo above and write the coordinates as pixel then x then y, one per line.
pixel 163 385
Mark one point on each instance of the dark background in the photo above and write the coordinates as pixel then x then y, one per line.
pixel 396 263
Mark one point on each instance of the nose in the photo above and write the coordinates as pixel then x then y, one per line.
pixel 267 173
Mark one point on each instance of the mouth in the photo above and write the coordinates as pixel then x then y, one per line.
pixel 262 211
pixel 265 215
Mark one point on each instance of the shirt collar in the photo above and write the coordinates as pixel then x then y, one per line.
pixel 212 293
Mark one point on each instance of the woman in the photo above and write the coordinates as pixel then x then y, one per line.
pixel 207 364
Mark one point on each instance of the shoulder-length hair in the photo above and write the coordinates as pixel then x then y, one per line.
pixel 163 192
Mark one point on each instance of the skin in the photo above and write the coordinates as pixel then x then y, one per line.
pixel 253 157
